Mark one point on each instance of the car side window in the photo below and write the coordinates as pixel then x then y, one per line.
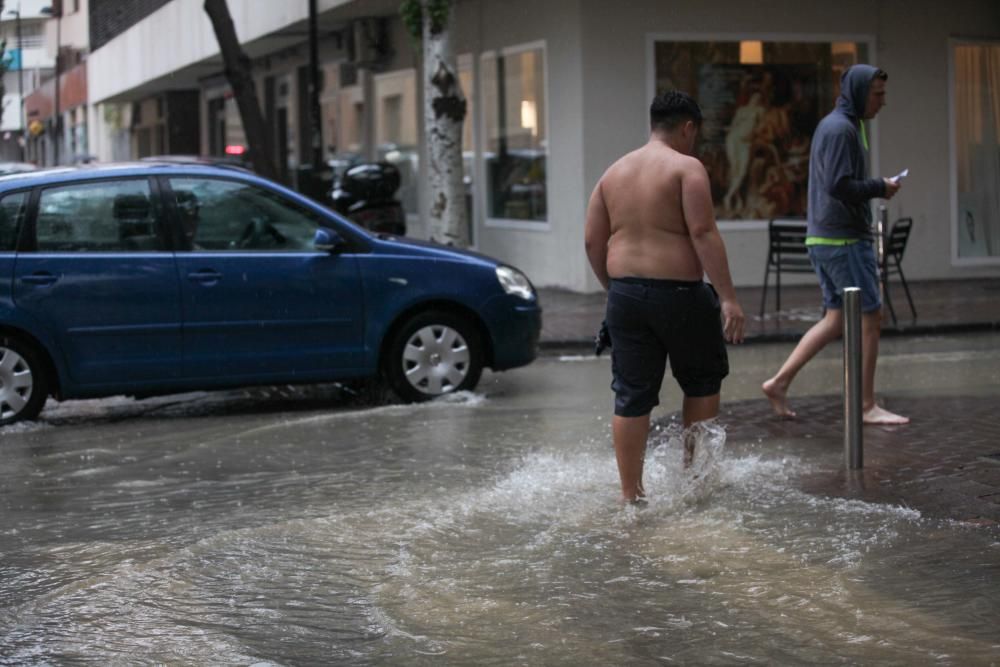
pixel 219 215
pixel 12 210
pixel 104 216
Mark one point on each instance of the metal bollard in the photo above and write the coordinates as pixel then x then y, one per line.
pixel 853 441
pixel 881 229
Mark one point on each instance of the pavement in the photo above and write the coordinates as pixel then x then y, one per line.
pixel 570 319
pixel 947 468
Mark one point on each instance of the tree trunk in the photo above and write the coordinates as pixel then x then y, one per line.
pixel 240 77
pixel 444 114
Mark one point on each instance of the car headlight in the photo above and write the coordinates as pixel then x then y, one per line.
pixel 514 282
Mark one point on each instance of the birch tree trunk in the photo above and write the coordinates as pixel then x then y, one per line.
pixel 444 115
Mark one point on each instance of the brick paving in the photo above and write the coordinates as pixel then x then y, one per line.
pixel 946 463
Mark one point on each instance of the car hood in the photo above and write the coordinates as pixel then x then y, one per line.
pixel 408 246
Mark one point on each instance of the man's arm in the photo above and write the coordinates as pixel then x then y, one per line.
pixel 859 191
pixel 699 216
pixel 596 234
pixel 839 152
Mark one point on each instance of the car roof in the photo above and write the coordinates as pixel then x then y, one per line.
pixel 121 169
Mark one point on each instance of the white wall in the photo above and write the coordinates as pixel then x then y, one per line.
pixel 911 44
pixel 546 255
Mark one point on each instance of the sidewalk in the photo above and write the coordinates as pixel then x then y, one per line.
pixel 946 467
pixel 571 319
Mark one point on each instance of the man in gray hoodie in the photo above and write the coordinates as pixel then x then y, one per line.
pixel 839 236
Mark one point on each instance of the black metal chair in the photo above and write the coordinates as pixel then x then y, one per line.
pixel 895 245
pixel 786 253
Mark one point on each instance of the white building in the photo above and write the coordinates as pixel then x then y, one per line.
pixel 27 60
pixel 560 88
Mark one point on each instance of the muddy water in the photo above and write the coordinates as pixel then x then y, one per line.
pixel 231 529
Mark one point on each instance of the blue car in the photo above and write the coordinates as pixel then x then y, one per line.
pixel 146 279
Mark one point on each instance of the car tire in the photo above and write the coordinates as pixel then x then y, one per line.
pixel 24 385
pixel 434 353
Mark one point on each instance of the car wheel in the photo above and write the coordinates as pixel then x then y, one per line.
pixel 23 384
pixel 434 353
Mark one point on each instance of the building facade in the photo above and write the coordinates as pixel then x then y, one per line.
pixel 558 89
pixel 26 63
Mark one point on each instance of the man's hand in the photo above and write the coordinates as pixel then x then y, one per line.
pixel 892 186
pixel 732 321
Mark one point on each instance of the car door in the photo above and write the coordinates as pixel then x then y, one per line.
pixel 260 303
pixel 97 273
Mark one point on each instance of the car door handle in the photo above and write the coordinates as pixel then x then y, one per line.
pixel 206 276
pixel 39 279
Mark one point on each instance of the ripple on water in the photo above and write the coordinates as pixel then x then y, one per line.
pixel 728 562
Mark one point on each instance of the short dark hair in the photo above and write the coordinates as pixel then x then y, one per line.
pixel 672 108
pixel 880 74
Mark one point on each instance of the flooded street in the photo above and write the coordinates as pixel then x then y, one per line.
pixel 279 527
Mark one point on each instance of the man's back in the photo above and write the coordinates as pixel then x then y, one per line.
pixel 643 193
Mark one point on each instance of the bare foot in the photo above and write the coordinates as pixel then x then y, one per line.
pixel 688 450
pixel 879 415
pixel 777 395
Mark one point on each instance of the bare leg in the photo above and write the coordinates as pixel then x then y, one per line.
pixel 871 329
pixel 629 434
pixel 819 336
pixel 697 409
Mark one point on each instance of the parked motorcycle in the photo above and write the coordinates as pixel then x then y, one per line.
pixel 365 193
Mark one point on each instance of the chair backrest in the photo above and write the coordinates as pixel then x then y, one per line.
pixel 899 234
pixel 787 245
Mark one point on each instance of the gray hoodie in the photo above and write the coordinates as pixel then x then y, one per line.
pixel 839 187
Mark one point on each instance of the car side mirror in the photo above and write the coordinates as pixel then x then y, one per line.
pixel 327 240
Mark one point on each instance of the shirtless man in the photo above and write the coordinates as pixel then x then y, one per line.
pixel 840 238
pixel 650 238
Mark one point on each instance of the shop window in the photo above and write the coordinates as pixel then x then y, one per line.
pixel 761 102
pixel 465 78
pixel 977 149
pixel 516 134
pixel 396 130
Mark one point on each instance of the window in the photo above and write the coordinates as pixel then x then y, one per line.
pixel 977 149
pixel 516 134
pixel 465 76
pixel 218 215
pixel 396 130
pixel 109 216
pixel 761 102
pixel 12 208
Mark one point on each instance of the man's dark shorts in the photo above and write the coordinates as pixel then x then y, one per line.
pixel 852 265
pixel 653 320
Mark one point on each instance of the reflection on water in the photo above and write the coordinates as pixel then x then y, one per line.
pixel 465 533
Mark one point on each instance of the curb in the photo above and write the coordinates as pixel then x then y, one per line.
pixel 793 336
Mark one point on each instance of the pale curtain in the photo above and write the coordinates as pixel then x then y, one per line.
pixel 977 106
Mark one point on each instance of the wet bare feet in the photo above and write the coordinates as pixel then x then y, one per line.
pixel 879 415
pixel 688 450
pixel 777 395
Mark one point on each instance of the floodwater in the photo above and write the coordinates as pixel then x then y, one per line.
pixel 280 527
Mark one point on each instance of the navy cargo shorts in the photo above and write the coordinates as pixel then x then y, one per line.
pixel 652 320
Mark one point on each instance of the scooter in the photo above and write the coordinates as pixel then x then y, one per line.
pixel 365 193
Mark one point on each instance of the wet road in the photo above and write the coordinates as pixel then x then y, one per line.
pixel 278 526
